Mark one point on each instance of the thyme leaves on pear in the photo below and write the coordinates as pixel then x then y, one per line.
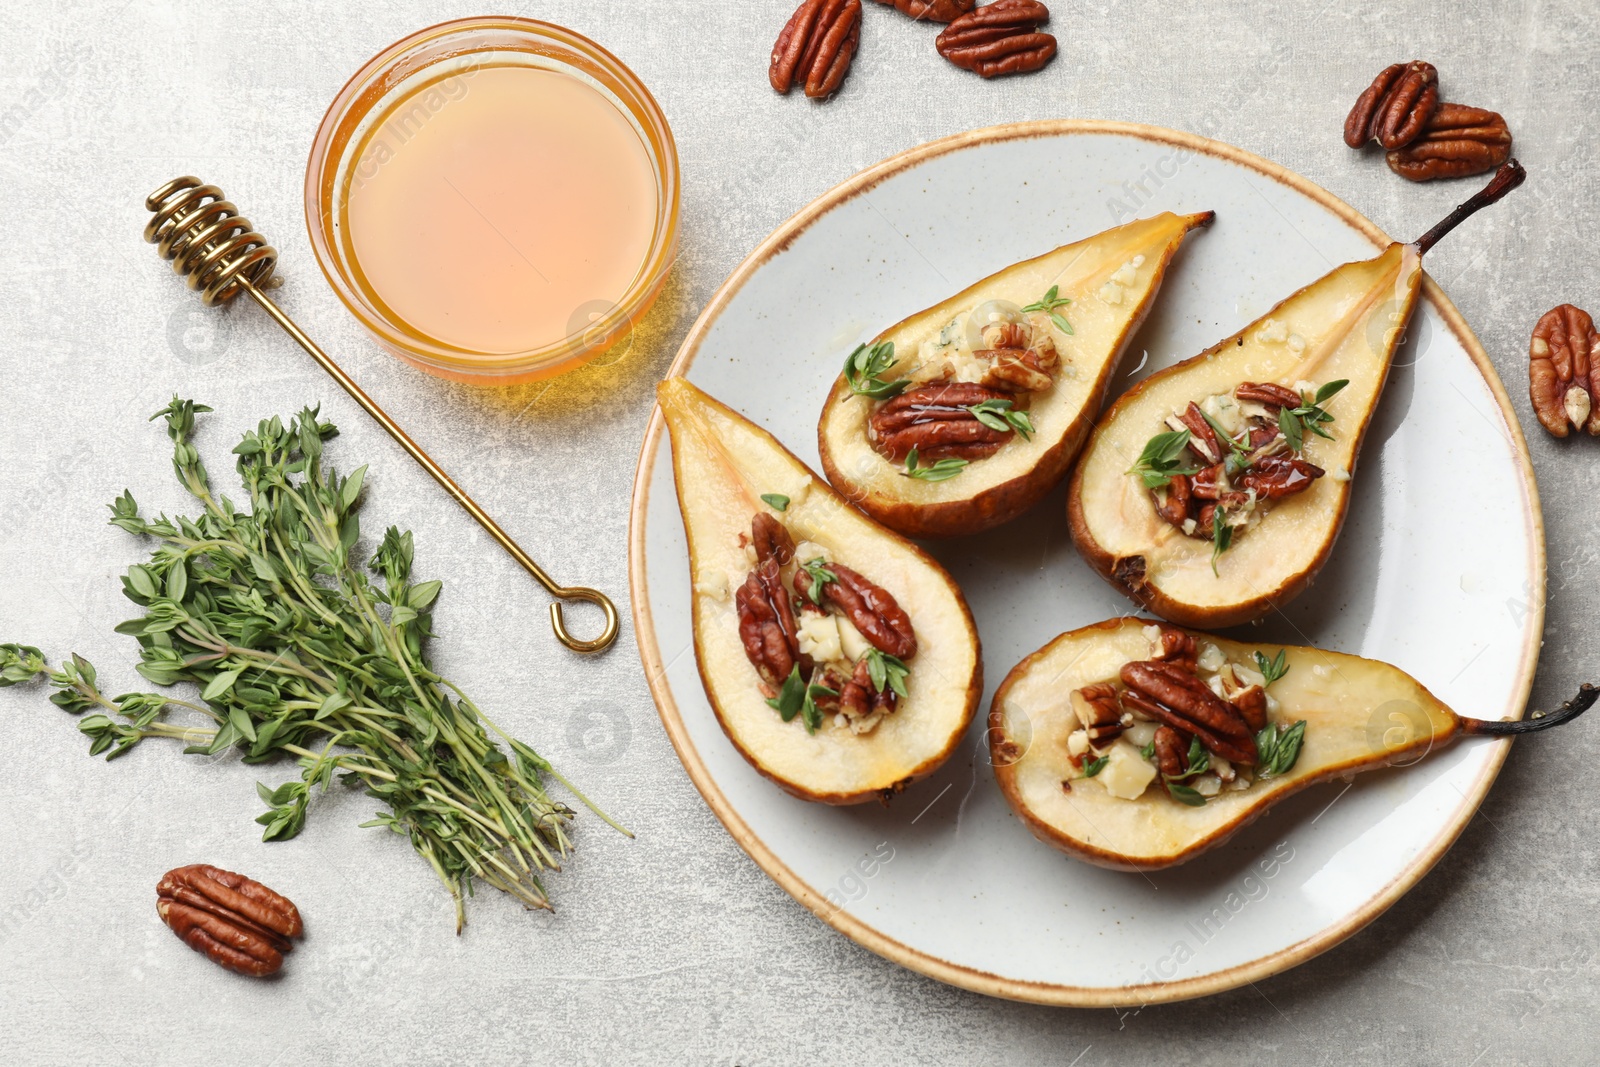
pixel 1051 301
pixel 939 471
pixel 1159 463
pixel 1273 669
pixel 1002 415
pixel 864 369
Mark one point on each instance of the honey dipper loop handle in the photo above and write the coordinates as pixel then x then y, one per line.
pixel 210 243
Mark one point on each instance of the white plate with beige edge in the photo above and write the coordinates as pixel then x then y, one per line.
pixel 945 879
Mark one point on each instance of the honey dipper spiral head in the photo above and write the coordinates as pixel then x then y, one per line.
pixel 207 240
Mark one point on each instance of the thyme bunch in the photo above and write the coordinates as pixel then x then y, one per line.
pixel 298 654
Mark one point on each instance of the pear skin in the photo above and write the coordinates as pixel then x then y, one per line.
pixel 1000 487
pixel 1360 715
pixel 1346 325
pixel 723 464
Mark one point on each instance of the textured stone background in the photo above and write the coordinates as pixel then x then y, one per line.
pixel 674 946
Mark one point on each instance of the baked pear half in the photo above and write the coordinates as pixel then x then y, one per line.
pixel 1138 746
pixel 840 659
pixel 962 416
pixel 1214 490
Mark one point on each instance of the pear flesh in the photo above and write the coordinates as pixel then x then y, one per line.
pixel 1345 326
pixel 1105 284
pixel 723 465
pixel 1360 714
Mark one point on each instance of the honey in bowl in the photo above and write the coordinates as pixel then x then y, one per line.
pixel 496 199
pixel 495 207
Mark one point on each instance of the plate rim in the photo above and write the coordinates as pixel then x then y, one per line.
pixel 858 930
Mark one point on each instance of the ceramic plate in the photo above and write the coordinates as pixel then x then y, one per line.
pixel 945 880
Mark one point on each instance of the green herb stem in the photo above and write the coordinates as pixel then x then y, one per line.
pixel 270 612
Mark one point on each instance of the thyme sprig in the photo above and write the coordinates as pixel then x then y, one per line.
pixel 1221 536
pixel 1159 463
pixel 820 576
pixel 1273 669
pixel 796 697
pixel 1309 416
pixel 886 670
pixel 864 369
pixel 1001 414
pixel 1278 748
pixel 938 471
pixel 1049 304
pixel 1196 763
pixel 298 654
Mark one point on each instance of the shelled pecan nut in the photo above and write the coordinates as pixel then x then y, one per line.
pixel 1099 709
pixel 1252 704
pixel 1208 483
pixel 1202 438
pixel 232 920
pixel 1174 507
pixel 1459 141
pixel 1564 371
pixel 1205 518
pixel 1175 696
pixel 771 539
pixel 1178 648
pixel 1269 393
pixel 935 420
pixel 766 625
pixel 1275 477
pixel 1013 370
pixel 931 10
pixel 1172 752
pixel 1395 109
pixel 1261 436
pixel 870 608
pixel 859 698
pixel 999 38
pixel 816 46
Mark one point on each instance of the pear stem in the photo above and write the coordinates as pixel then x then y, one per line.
pixel 1587 694
pixel 1508 177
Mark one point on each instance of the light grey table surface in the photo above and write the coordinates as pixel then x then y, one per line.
pixel 674 947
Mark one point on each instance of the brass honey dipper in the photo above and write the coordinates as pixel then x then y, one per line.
pixel 213 246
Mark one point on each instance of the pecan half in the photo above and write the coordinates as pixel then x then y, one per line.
pixel 1278 476
pixel 1564 371
pixel 232 920
pixel 771 539
pixel 1460 141
pixel 1202 438
pixel 870 608
pixel 931 10
pixel 1177 648
pixel 1205 519
pixel 1262 436
pixel 1269 393
pixel 935 420
pixel 1252 704
pixel 1395 108
pixel 1174 507
pixel 1210 483
pixel 1172 752
pixel 766 625
pixel 1175 696
pixel 816 46
pixel 999 38
pixel 1017 371
pixel 858 698
pixel 1100 711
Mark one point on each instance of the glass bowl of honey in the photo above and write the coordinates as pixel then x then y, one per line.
pixel 495 199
